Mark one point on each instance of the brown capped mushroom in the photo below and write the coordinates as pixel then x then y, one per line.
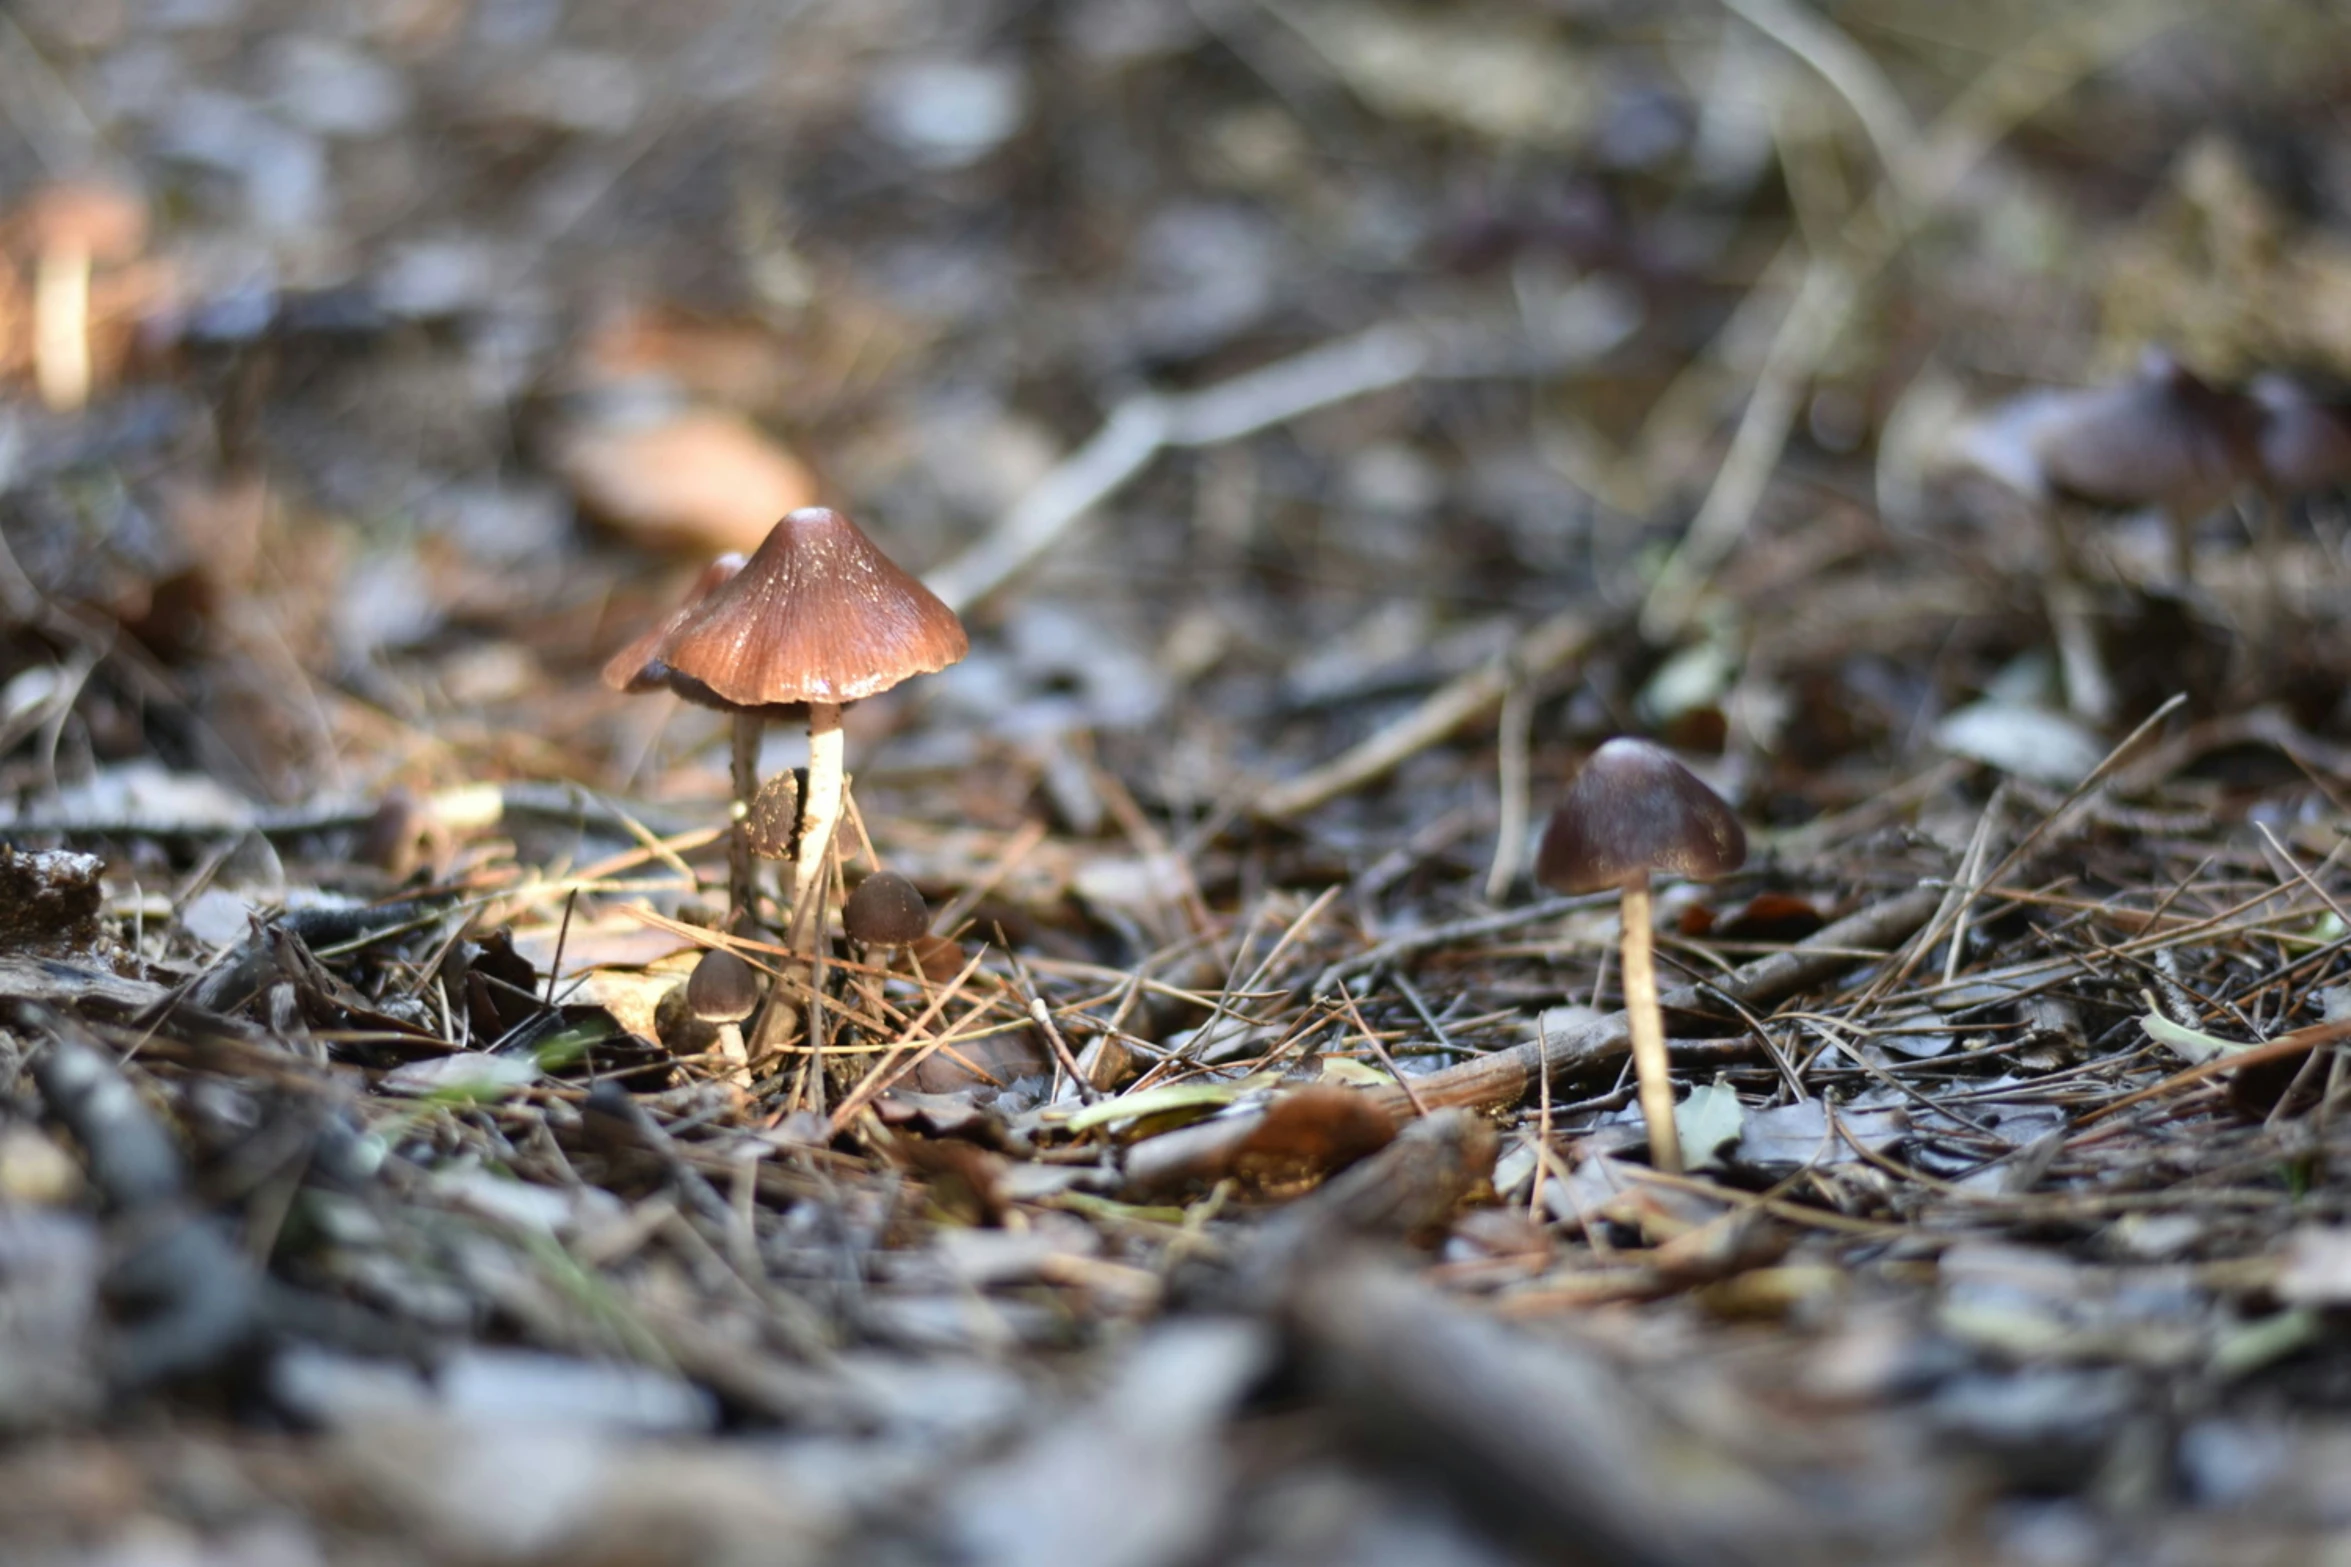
pixel 886 910
pixel 818 617
pixel 2162 438
pixel 72 228
pixel 1631 812
pixel 724 990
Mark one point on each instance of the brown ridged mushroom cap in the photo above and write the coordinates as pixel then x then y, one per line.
pixel 886 910
pixel 817 615
pixel 2161 438
pixel 723 988
pixel 2305 438
pixel 634 668
pixel 1632 810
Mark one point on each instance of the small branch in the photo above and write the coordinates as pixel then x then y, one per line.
pixel 1452 931
pixel 1515 734
pixel 1543 650
pixel 1143 426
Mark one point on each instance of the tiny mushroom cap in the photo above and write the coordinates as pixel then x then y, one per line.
pixel 2161 438
pixel 1633 810
pixel 634 668
pixel 723 988
pixel 2305 438
pixel 817 616
pixel 885 911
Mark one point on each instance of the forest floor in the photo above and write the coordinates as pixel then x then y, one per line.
pixel 1332 421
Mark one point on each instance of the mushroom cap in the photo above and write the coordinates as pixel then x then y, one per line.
pixel 2161 438
pixel 634 668
pixel 817 615
pixel 723 988
pixel 2305 438
pixel 104 221
pixel 1632 810
pixel 886 910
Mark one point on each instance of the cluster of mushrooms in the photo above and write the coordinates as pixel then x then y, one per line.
pixel 819 618
pixel 816 619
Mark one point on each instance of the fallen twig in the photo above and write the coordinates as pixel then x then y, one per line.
pixel 1149 423
pixel 1542 650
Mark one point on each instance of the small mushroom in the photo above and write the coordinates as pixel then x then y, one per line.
pixel 2162 438
pixel 1631 812
pixel 723 990
pixel 74 227
pixel 886 910
pixel 816 619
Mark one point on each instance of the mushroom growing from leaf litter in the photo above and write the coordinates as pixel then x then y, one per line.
pixel 816 619
pixel 2162 438
pixel 886 910
pixel 723 990
pixel 1633 811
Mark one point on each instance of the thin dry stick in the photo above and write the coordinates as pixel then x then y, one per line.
pixel 2284 1047
pixel 1971 867
pixel 1848 68
pixel 1963 894
pixel 1504 1075
pixel 1515 734
pixel 1355 1015
pixel 1544 649
pixel 1447 934
pixel 887 1072
pixel 1143 426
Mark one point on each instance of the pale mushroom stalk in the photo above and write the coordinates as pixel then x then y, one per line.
pixel 61 326
pixel 1633 811
pixel 1645 1023
pixel 821 815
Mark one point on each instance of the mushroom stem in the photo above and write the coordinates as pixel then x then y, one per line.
pixel 61 327
pixel 742 890
pixel 2081 666
pixel 820 813
pixel 1652 1074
